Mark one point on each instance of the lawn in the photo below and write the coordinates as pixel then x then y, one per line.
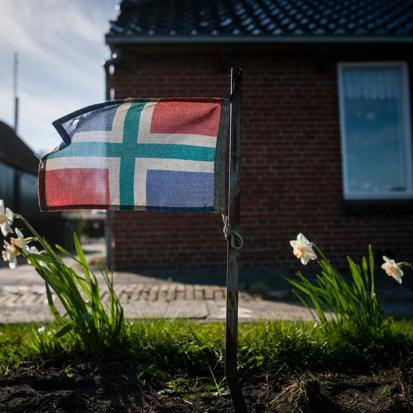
pixel 285 366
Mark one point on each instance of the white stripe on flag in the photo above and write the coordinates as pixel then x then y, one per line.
pixel 142 165
pixel 145 135
pixel 111 164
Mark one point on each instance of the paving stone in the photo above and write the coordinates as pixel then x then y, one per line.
pixel 10 300
pixel 209 293
pixel 189 292
pixel 199 292
pixel 219 293
pixel 136 292
pixel 163 292
pixel 180 292
pixel 145 292
pixel 171 294
pixel 153 293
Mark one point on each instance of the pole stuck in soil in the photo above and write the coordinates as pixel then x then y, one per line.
pixel 231 342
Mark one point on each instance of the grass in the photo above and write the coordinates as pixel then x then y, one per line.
pixel 173 349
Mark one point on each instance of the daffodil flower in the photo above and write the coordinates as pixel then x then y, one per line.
pixel 21 242
pixel 303 249
pixel 10 254
pixel 6 219
pixel 41 330
pixel 392 269
pixel 35 251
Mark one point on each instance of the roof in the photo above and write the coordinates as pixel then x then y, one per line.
pixel 14 152
pixel 239 21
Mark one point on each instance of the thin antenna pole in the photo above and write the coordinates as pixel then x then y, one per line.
pixel 15 90
pixel 231 341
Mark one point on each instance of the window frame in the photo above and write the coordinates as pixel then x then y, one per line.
pixel 356 195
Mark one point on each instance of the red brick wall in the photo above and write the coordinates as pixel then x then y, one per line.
pixel 291 169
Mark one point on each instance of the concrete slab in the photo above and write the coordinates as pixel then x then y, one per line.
pixel 256 310
pixel 174 310
pixel 26 314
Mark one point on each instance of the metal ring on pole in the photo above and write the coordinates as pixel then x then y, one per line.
pixel 235 238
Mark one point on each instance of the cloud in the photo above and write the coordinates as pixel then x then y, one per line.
pixel 60 45
pixel 37 130
pixel 57 35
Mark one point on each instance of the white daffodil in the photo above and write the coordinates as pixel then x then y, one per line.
pixel 41 330
pixel 21 242
pixel 392 269
pixel 35 251
pixel 303 249
pixel 6 219
pixel 10 254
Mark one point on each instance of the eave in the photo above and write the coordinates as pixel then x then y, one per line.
pixel 119 39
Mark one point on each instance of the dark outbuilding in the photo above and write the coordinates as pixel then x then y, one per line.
pixel 18 172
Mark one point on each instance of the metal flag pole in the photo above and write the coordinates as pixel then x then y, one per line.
pixel 234 243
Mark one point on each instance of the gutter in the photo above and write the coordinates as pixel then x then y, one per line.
pixel 110 243
pixel 119 39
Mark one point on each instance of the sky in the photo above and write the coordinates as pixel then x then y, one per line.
pixel 61 47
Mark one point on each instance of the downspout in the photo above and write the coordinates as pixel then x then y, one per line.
pixel 108 67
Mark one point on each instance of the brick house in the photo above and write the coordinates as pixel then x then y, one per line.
pixel 325 120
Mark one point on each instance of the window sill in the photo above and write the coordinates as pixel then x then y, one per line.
pixel 379 206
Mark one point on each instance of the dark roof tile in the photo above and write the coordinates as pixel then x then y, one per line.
pixel 227 19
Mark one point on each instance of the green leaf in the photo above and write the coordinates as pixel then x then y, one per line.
pixel 75 323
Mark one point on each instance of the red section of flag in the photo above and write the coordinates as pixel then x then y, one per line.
pixel 195 118
pixel 77 187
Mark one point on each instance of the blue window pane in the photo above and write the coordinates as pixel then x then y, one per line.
pixel 374 132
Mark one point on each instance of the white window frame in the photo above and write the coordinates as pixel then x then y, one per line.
pixel 356 195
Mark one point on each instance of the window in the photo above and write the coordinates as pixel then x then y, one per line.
pixel 375 130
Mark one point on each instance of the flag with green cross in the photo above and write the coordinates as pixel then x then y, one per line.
pixel 149 154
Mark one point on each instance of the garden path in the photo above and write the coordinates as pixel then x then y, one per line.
pixel 23 298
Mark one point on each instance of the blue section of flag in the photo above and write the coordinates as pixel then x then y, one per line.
pixel 98 120
pixel 173 189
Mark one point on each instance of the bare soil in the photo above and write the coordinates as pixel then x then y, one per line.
pixel 110 388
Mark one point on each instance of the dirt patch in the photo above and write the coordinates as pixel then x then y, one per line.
pixel 110 388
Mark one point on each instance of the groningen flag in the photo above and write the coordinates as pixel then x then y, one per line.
pixel 143 154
